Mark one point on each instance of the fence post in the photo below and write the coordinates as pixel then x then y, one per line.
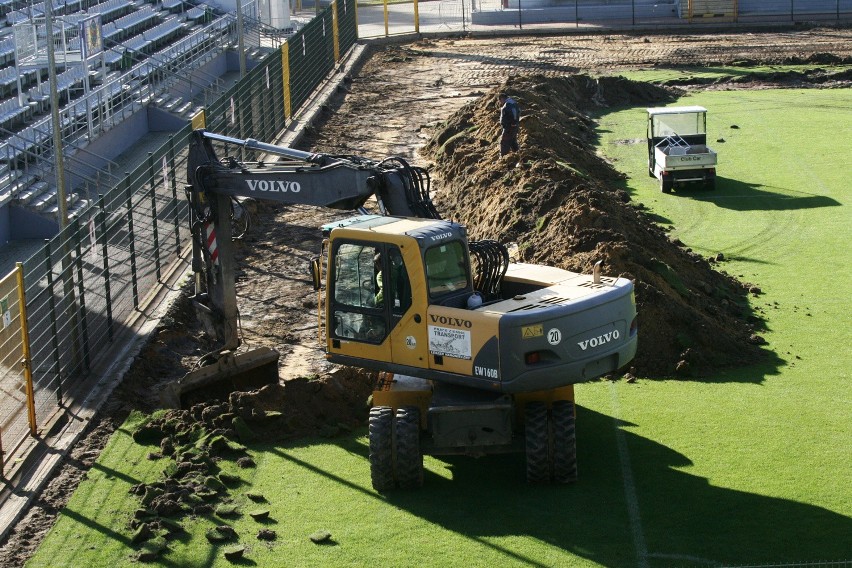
pixel 54 335
pixel 154 214
pixel 81 288
pixel 334 28
pixel 71 312
pixel 105 253
pixel 26 363
pixel 131 239
pixel 416 17
pixel 285 73
pixel 385 7
pixel 173 182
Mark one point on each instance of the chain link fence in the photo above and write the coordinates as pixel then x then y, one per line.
pixel 381 19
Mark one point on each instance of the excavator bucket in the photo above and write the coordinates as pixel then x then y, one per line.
pixel 231 372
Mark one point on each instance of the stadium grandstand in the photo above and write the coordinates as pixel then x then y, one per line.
pixel 124 69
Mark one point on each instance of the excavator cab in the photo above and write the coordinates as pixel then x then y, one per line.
pixel 378 296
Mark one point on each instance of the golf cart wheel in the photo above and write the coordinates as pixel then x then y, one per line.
pixel 409 460
pixel 666 184
pixel 381 447
pixel 564 442
pixel 537 446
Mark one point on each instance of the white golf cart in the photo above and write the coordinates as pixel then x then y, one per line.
pixel 677 147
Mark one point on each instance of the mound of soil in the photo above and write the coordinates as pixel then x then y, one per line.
pixel 557 199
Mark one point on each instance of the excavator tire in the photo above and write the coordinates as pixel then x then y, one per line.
pixel 536 438
pixel 409 460
pixel 564 442
pixel 381 447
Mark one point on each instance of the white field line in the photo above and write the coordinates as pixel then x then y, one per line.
pixel 642 554
pixel 629 485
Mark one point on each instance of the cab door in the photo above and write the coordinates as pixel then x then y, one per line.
pixel 357 311
pixel 407 306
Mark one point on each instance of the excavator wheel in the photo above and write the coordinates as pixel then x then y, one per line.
pixel 564 442
pixel 381 447
pixel 409 460
pixel 536 438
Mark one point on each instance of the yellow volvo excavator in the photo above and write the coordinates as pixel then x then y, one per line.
pixel 476 354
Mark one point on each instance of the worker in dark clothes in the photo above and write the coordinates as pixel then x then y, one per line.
pixel 510 118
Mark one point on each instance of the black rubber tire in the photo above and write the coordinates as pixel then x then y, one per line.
pixel 666 184
pixel 409 459
pixel 537 443
pixel 710 184
pixel 564 442
pixel 381 447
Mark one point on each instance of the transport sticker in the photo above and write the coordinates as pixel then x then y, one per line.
pixel 530 331
pixel 411 342
pixel 554 336
pixel 449 342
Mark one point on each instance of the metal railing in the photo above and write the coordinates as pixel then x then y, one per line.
pixel 84 118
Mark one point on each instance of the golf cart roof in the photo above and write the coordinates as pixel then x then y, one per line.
pixel 675 110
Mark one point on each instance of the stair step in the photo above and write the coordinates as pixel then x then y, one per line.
pixel 26 195
pixel 78 208
pixel 43 200
pixel 185 107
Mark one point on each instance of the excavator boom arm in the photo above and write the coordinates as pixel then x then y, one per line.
pixel 338 182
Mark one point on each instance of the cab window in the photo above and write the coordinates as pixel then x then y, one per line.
pixel 400 285
pixel 358 304
pixel 446 268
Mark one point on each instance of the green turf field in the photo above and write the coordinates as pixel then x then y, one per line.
pixel 751 466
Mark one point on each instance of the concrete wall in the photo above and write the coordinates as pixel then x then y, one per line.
pixel 26 224
pixel 118 139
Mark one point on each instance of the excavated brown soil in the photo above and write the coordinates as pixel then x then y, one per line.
pixel 556 198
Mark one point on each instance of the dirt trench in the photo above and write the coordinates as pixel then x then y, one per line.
pixel 402 97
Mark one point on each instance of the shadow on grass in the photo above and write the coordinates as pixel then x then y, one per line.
pixel 633 506
pixel 743 196
pixel 111 473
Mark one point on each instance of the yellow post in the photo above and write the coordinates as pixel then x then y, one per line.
pixel 335 31
pixel 25 345
pixel 386 17
pixel 199 120
pixel 285 72
pixel 356 17
pixel 416 18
